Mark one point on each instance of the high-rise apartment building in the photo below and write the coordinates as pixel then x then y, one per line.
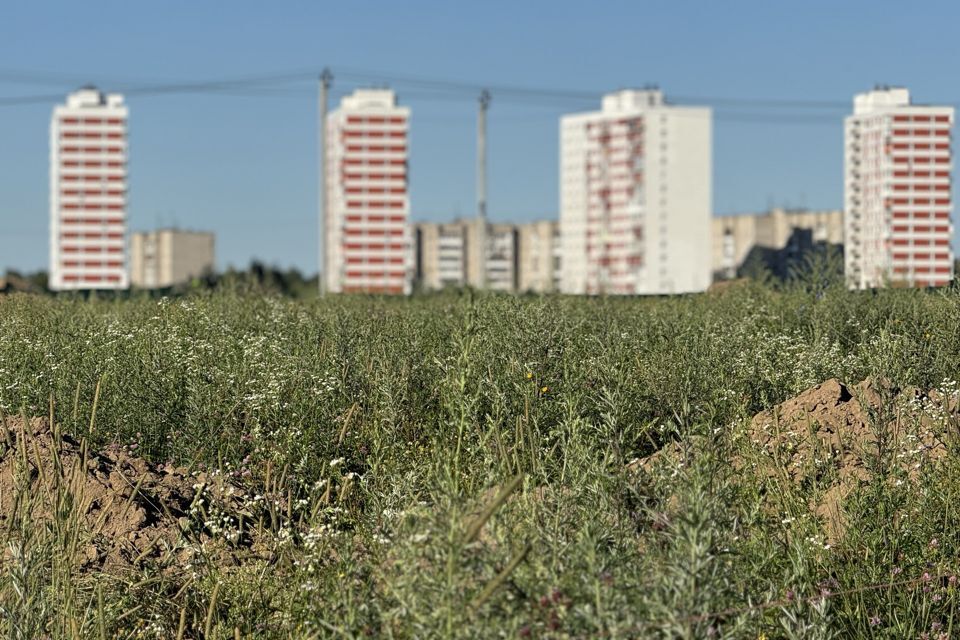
pixel 88 192
pixel 635 197
pixel 897 192
pixel 168 257
pixel 367 202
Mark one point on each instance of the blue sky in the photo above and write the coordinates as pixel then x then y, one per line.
pixel 244 166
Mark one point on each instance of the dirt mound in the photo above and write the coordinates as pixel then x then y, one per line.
pixel 830 437
pixel 121 510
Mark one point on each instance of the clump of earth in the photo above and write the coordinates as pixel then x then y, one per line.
pixel 830 439
pixel 835 435
pixel 121 510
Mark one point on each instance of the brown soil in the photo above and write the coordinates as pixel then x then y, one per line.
pixel 122 510
pixel 829 438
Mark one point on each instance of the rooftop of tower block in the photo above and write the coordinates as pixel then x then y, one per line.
pixel 880 98
pixel 364 98
pixel 632 99
pixel 90 96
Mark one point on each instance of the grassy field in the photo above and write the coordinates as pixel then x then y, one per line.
pixel 466 466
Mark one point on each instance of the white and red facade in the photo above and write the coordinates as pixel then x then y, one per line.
pixel 635 197
pixel 897 191
pixel 367 201
pixel 88 192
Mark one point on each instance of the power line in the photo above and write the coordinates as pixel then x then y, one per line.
pixel 229 91
pixel 579 94
pixel 291 84
pixel 762 102
pixel 49 78
pixel 472 88
pixel 265 84
pixel 26 100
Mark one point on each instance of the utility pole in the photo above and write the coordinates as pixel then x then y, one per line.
pixel 326 79
pixel 484 104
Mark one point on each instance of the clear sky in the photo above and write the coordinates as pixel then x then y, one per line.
pixel 243 162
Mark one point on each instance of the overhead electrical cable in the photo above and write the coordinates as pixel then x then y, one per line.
pixel 301 83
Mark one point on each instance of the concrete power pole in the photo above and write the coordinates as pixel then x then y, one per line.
pixel 484 104
pixel 326 79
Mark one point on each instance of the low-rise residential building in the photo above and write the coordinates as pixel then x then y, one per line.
pixel 450 254
pixel 440 254
pixel 500 265
pixel 168 257
pixel 540 256
pixel 775 239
